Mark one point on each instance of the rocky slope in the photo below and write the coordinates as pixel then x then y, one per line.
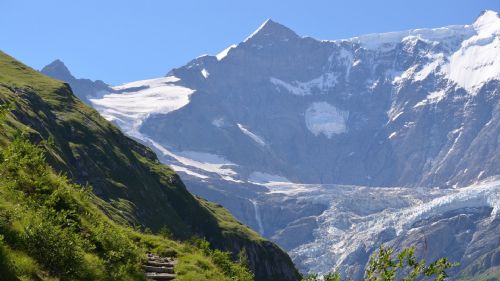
pixel 137 188
pixel 265 124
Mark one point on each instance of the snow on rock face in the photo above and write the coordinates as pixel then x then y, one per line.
pixel 224 53
pixel 205 73
pixel 478 59
pixel 137 100
pixel 381 41
pixel 187 171
pixel 187 161
pixel 322 84
pixel 433 97
pixel 140 99
pixel 259 140
pixel 324 118
pixel 219 122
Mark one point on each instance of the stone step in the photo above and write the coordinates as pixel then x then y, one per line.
pixel 160 264
pixel 160 259
pixel 160 269
pixel 160 276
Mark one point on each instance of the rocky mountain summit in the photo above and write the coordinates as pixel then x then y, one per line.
pixel 82 88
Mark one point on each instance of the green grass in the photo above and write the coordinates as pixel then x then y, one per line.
pixel 131 188
pixel 52 229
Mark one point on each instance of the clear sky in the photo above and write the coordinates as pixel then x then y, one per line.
pixel 123 40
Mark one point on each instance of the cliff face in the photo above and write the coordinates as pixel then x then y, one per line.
pixel 126 174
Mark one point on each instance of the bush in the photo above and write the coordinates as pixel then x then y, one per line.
pixel 57 249
pixel 5 265
pixel 384 266
pixel 238 270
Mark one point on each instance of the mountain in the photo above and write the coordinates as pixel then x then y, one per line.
pixel 393 136
pixel 137 190
pixel 82 88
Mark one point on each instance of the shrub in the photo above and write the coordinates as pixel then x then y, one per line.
pixel 57 249
pixel 5 266
pixel 385 266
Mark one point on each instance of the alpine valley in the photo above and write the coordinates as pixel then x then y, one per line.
pixel 331 148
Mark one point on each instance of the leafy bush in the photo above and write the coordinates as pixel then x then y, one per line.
pixel 59 250
pixel 5 265
pixel 384 266
pixel 238 271
pixel 5 108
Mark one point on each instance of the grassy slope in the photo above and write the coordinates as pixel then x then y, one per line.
pixel 136 189
pixel 51 229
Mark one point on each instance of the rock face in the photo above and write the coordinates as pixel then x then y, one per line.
pixel 85 89
pixel 295 136
pixel 415 108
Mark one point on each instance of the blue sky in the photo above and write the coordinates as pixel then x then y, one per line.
pixel 123 40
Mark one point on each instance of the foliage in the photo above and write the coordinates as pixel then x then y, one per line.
pixel 384 266
pixel 4 110
pixel 238 271
pixel 52 229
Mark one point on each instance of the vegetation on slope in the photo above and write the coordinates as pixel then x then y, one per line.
pixel 50 229
pixel 133 188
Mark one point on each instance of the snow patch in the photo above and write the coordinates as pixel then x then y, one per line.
pixel 205 73
pixel 207 162
pixel 185 170
pixel 321 83
pixel 259 140
pixel 429 68
pixel 433 97
pixel 396 115
pixel 219 122
pixel 324 118
pixel 224 53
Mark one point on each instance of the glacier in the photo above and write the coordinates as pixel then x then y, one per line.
pixel 357 217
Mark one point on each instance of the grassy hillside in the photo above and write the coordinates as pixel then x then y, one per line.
pixel 133 187
pixel 51 229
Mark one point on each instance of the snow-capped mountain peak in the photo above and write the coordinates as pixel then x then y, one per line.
pixel 477 60
pixel 488 22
